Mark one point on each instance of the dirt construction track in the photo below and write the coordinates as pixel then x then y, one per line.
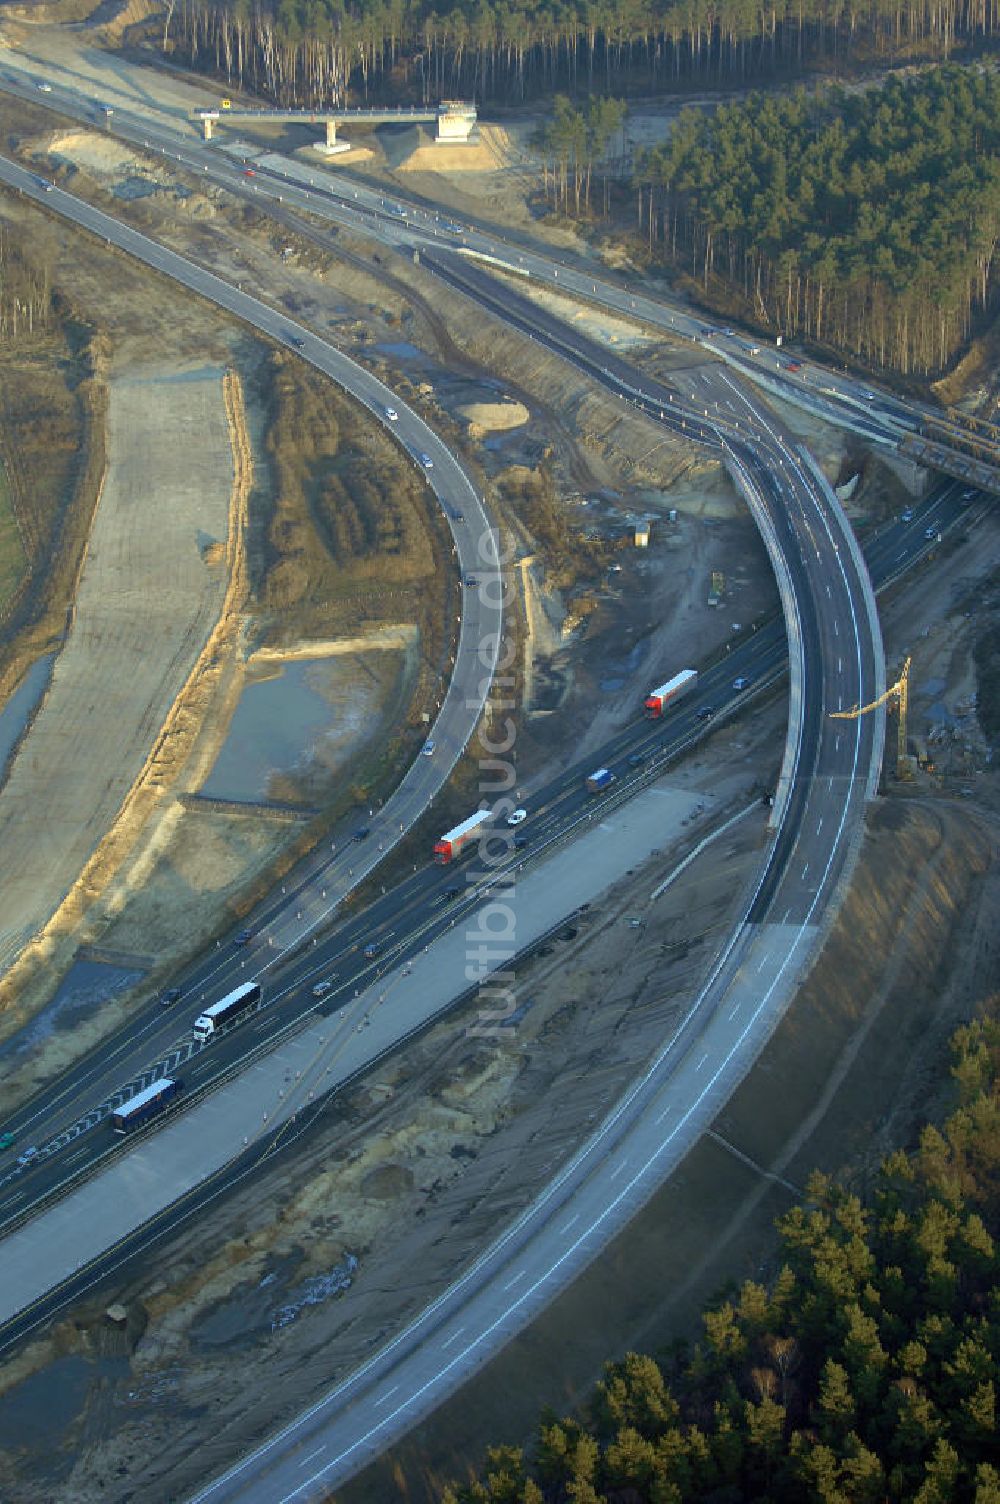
pixel 152 585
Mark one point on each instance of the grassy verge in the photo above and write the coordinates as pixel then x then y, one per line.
pixel 13 559
pixel 53 408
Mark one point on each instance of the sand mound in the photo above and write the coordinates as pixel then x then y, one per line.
pixel 100 155
pixel 342 159
pixel 416 150
pixel 493 417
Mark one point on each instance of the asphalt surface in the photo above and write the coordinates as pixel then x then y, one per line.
pixel 840 660
pixel 412 223
pixel 323 882
pixel 836 637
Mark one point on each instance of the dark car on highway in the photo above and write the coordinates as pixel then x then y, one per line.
pixel 361 834
pixel 244 937
pixel 171 996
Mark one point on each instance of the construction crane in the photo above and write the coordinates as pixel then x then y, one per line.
pixel 900 692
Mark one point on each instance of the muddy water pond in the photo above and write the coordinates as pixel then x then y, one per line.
pixel 307 711
pixel 81 993
pixel 48 1403
pixel 21 706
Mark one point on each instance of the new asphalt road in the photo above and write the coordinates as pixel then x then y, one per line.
pixel 836 662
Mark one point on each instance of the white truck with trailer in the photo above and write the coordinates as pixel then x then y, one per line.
pixel 235 1005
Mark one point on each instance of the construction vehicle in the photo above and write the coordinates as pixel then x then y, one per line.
pixel 900 694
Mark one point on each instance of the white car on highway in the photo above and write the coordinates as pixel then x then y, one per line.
pixel 392 415
pixel 517 816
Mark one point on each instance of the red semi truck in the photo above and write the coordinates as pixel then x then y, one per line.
pixel 454 841
pixel 658 699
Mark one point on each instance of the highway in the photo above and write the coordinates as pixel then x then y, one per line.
pixel 324 882
pixel 648 1131
pixel 848 401
pixel 836 662
pixel 159 1040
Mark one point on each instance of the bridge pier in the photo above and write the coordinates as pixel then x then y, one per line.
pixel 331 147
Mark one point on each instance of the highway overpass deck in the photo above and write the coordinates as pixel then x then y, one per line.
pixel 455 119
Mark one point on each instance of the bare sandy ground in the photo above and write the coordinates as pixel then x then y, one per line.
pixel 150 592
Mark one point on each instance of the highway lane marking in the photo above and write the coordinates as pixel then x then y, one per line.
pixel 453 1338
pixel 819 827
pixel 701 1062
pixel 616 1172
pixel 388 1395
pixel 516 1280
pixel 805 869
pixel 566 1253
pixel 311 1456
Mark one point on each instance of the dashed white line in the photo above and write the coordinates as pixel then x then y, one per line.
pixel 805 869
pixel 819 827
pixel 311 1456
pixel 516 1280
pixel 388 1395
pixel 572 1221
pixel 701 1062
pixel 453 1338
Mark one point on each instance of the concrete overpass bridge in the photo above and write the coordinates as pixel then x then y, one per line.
pixel 966 447
pixel 454 120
